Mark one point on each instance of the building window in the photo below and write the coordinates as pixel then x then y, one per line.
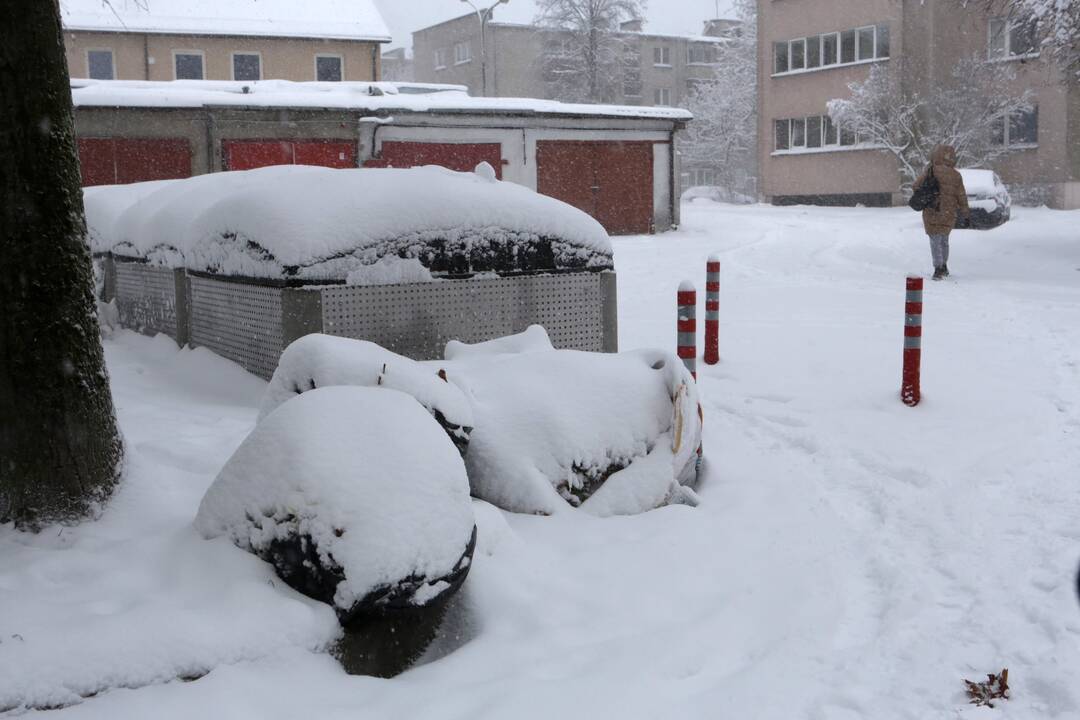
pixel 813 131
pixel 780 57
pixel 829 136
pixel 783 135
pixel 662 56
pixel 816 132
pixel 188 65
pixel 631 71
pixel 662 96
pixel 328 68
pixel 1010 39
pixel 462 53
pixel 1022 129
pixel 700 177
pixel 847 46
pixel 246 66
pixel 830 49
pixel 882 48
pixel 440 59
pixel 813 52
pixel 864 44
pixel 797 54
pixel 700 54
pixel 99 65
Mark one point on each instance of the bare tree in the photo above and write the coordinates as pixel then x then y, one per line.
pixel 969 112
pixel 723 133
pixel 583 52
pixel 60 449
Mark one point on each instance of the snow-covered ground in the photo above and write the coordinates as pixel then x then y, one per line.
pixel 851 558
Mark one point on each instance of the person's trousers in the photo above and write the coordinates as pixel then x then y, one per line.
pixel 939 249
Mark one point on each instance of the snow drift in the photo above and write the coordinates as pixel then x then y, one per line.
pixel 315 223
pixel 354 495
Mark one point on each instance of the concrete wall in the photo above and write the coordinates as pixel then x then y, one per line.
pixel 841 171
pixel 517 136
pixel 515 67
pixel 138 56
pixel 927 40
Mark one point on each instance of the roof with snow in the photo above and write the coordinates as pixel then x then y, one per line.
pixel 372 97
pixel 330 19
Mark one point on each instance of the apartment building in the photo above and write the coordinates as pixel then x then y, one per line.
pixel 326 40
pixel 657 70
pixel 810 50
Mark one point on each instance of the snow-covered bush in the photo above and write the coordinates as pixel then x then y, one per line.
pixel 354 495
pixel 316 361
pixel 315 223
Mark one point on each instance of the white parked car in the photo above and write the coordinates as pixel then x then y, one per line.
pixel 988 199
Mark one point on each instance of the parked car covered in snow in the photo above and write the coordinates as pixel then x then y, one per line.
pixel 988 199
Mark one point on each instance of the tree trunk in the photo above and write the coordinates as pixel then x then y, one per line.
pixel 60 449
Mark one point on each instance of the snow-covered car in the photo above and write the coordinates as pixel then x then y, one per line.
pixel 988 199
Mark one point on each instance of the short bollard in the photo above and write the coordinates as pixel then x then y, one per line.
pixel 687 326
pixel 712 310
pixel 909 387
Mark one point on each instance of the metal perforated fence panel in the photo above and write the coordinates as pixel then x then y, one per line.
pixel 417 320
pixel 146 298
pixel 239 321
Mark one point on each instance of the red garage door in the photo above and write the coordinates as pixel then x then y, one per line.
pixel 610 180
pixel 109 161
pixel 463 157
pixel 250 154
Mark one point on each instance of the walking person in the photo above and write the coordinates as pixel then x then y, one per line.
pixel 940 219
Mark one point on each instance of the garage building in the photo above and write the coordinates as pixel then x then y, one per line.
pixel 614 162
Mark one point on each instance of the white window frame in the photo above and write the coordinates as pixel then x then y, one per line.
pixel 1008 56
pixel 440 59
pixel 873 43
pixel 232 62
pixel 664 51
pixel 458 59
pixel 112 60
pixel 341 64
pixel 707 48
pixel 662 97
pixel 200 53
pixel 1007 131
pixel 837 59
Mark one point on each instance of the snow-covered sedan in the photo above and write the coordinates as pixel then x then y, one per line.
pixel 988 199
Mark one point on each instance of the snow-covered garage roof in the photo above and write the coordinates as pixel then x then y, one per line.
pixel 331 19
pixel 372 97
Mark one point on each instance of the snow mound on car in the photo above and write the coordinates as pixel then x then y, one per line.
pixel 322 224
pixel 316 361
pixel 613 434
pixel 359 479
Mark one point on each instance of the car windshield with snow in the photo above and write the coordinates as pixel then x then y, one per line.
pixel 988 199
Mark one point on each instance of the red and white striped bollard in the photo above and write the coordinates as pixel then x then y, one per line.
pixel 910 392
pixel 712 310
pixel 687 326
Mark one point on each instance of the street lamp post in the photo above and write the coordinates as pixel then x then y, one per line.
pixel 483 15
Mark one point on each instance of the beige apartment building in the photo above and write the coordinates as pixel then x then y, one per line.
pixel 327 40
pixel 657 70
pixel 810 50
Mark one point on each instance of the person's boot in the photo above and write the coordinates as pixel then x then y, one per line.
pixel 945 269
pixel 939 273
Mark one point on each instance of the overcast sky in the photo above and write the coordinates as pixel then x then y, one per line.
pixel 675 17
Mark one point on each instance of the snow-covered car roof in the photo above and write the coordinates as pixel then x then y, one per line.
pixel 315 223
pixel 977 181
pixel 361 96
pixel 329 19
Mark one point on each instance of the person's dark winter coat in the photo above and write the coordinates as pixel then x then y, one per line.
pixel 953 195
